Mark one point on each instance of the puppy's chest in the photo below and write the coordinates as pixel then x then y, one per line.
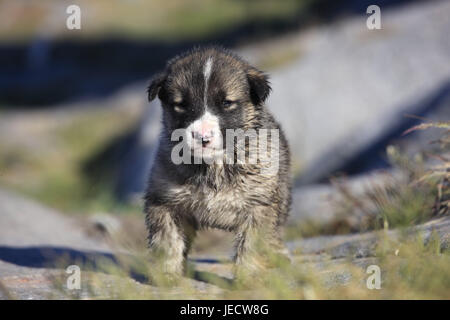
pixel 201 198
pixel 220 199
pixel 219 206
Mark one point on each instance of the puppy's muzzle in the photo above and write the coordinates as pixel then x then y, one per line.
pixel 204 137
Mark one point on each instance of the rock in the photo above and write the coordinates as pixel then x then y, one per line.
pixel 24 283
pixel 39 284
pixel 37 244
pixel 30 269
pixel 347 94
pixel 139 157
pixel 26 223
pixel 105 223
pixel 364 245
pixel 323 204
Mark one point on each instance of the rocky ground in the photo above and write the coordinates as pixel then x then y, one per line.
pixel 37 244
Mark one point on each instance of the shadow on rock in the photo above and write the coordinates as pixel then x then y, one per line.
pixel 61 257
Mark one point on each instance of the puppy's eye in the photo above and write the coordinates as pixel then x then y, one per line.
pixel 228 104
pixel 178 108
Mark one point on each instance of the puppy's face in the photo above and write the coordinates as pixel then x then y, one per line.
pixel 206 92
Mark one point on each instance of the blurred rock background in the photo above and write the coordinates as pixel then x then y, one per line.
pixel 77 134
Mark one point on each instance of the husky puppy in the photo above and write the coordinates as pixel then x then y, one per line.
pixel 208 93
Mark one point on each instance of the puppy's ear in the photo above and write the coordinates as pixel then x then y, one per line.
pixel 155 85
pixel 259 85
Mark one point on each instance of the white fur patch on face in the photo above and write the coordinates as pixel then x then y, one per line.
pixel 203 136
pixel 206 74
pixel 207 126
pixel 207 69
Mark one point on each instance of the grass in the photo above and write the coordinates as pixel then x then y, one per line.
pixel 420 193
pixel 404 262
pixel 427 195
pixel 406 273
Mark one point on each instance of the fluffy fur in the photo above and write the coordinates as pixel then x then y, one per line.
pixel 240 198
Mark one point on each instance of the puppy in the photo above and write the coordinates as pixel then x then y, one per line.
pixel 203 178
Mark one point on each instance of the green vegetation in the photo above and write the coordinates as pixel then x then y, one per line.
pixel 157 19
pixel 52 169
pixel 426 195
pixel 399 204
pixel 405 272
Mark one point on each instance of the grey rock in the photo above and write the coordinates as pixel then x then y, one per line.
pixel 139 158
pixel 364 245
pixel 322 204
pixel 105 223
pixel 37 244
pixel 352 86
pixel 26 223
pixel 35 227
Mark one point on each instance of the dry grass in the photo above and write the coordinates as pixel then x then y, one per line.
pixel 406 273
pixel 416 191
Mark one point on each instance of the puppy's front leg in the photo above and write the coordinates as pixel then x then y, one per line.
pixel 246 253
pixel 166 240
pixel 258 242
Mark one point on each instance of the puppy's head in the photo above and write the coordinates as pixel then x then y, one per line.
pixel 207 91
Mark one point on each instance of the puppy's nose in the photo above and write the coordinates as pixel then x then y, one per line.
pixel 204 137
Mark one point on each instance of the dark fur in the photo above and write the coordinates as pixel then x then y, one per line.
pixel 181 199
